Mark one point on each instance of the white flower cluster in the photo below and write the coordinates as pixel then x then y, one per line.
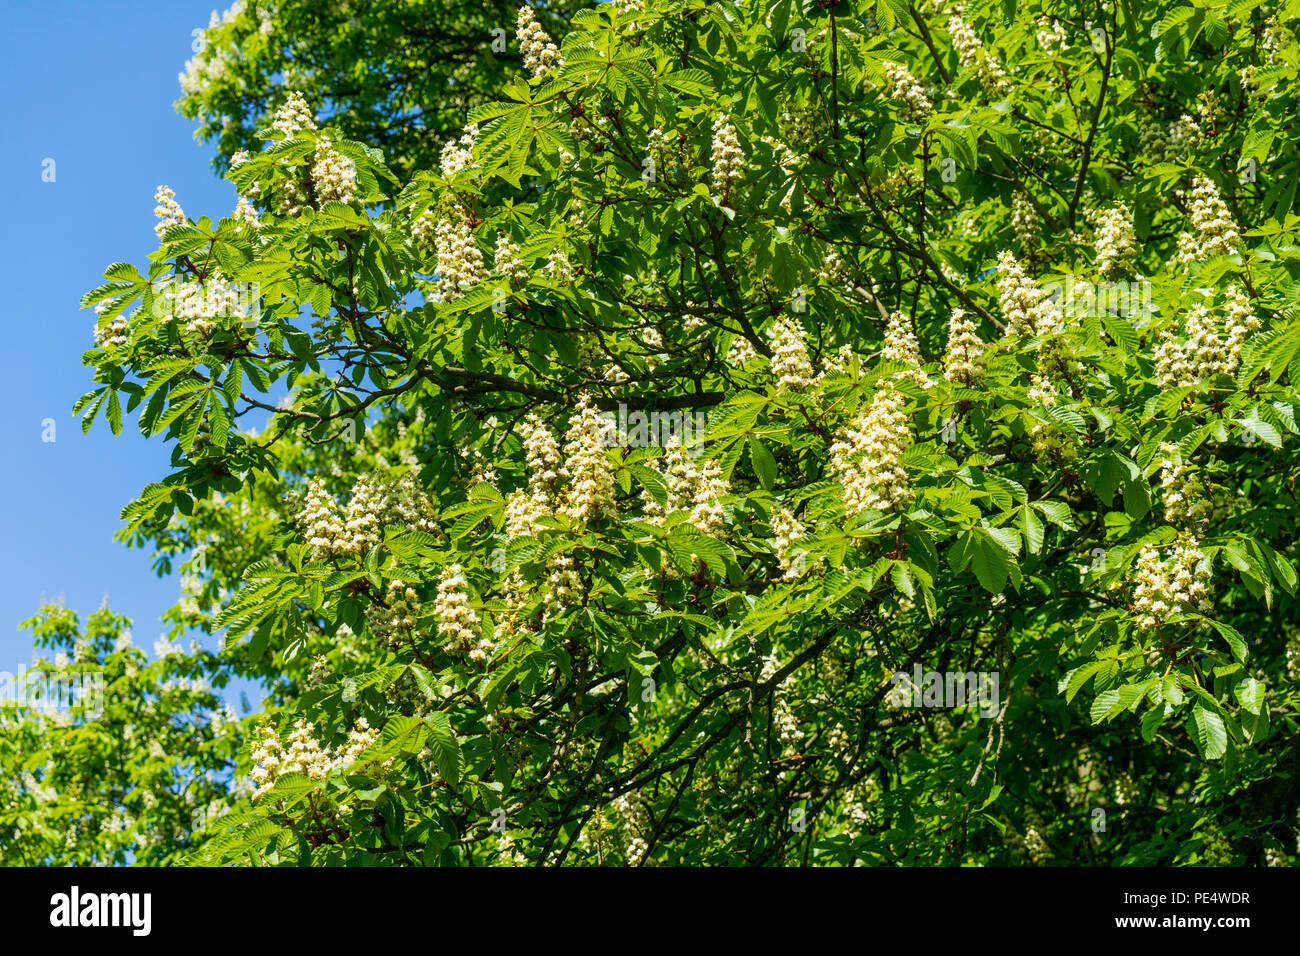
pixel 197 685
pixel 902 86
pixel 1209 109
pixel 1239 324
pixel 786 532
pixel 168 211
pixel 563 585
pixel 1211 348
pixel 1165 588
pixel 728 158
pixel 246 213
pixel 293 198
pixel 319 674
pixel 334 174
pixel 367 513
pixel 524 513
pixel 867 458
pixel 1182 491
pixel 1036 847
pixel 1115 242
pixel 1042 391
pixel 1026 308
pixel 541 55
pixel 690 487
pixel 1250 85
pixel 590 491
pixel 506 261
pixel 1276 37
pixel 304 754
pixel 1214 233
pixel 1025 221
pixel 784 721
pixel 209 63
pixel 460 261
pixel 971 54
pixel 558 267
pixel 670 151
pixel 457 621
pixel 790 362
pixel 424 230
pixel 202 70
pixel 202 306
pixel 1126 792
pixel 633 822
pixel 1052 37
pixel 963 360
pixel 398 615
pixel 293 115
pixel 1018 295
pixel 319 521
pixel 741 352
pixel 902 349
pixel 541 450
pixel 374 504
pixel 458 155
pixel 834 268
pixel 526 507
pixel 1183 134
pixel 114 334
pixel 1204 352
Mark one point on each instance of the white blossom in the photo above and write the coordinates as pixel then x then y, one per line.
pixel 790 362
pixel 540 53
pixel 293 115
pixel 866 459
pixel 168 211
pixel 458 623
pixel 728 158
pixel 590 492
pixel 963 360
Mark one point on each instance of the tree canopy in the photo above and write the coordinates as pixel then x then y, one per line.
pixel 588 446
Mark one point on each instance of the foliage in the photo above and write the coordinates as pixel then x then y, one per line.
pixel 398 74
pixel 133 772
pixel 594 651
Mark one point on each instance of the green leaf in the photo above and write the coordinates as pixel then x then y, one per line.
pixel 1152 720
pixel 1250 693
pixel 1073 682
pixel 1103 704
pixel 445 747
pixel 1235 641
pixel 991 563
pixel 1208 731
pixel 1057 512
pixel 763 461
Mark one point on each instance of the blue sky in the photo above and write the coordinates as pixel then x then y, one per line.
pixel 91 86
